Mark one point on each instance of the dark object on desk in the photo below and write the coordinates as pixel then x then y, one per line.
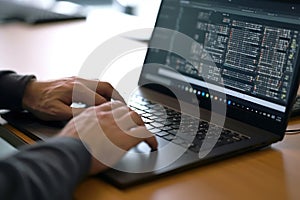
pixel 34 128
pixel 91 2
pixel 11 138
pixel 33 13
pixel 296 108
pixel 8 142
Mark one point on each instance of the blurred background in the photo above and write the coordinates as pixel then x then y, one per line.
pixel 41 11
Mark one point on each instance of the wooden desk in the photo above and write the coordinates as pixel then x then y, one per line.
pixel 60 49
pixel 272 173
pixel 57 50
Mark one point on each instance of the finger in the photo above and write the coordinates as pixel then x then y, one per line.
pixel 82 93
pixel 59 111
pixel 129 120
pixel 120 111
pixel 111 105
pixel 102 88
pixel 148 137
pixel 99 100
pixel 77 111
pixel 108 91
pixel 117 96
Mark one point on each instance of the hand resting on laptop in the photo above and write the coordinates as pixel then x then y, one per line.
pixel 51 100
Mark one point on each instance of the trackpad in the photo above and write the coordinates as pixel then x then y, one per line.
pixel 143 147
pixel 141 159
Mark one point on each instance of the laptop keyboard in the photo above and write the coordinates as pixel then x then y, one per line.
pixel 165 123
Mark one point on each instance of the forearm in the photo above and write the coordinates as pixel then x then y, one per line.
pixel 44 171
pixel 12 88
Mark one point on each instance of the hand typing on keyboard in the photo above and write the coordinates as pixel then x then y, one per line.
pixel 109 130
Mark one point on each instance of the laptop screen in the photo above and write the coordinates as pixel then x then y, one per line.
pixel 253 48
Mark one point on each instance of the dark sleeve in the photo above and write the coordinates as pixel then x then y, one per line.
pixel 48 170
pixel 12 88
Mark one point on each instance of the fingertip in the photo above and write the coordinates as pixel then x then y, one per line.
pixel 115 95
pixel 99 100
pixel 61 111
pixel 152 142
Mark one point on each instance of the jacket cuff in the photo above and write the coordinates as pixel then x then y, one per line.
pixel 12 87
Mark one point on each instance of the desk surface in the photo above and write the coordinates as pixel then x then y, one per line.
pixel 57 50
pixel 271 173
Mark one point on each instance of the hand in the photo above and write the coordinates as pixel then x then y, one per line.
pixel 51 100
pixel 109 130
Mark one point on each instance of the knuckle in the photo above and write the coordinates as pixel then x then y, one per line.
pixel 119 104
pixel 72 81
pixel 104 115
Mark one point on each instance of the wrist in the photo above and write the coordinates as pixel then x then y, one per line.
pixel 29 92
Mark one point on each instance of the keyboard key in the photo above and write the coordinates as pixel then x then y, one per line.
pixel 155 130
pixel 165 122
pixel 169 137
pixel 162 133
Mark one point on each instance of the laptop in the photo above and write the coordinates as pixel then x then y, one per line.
pixel 219 79
pixel 234 62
